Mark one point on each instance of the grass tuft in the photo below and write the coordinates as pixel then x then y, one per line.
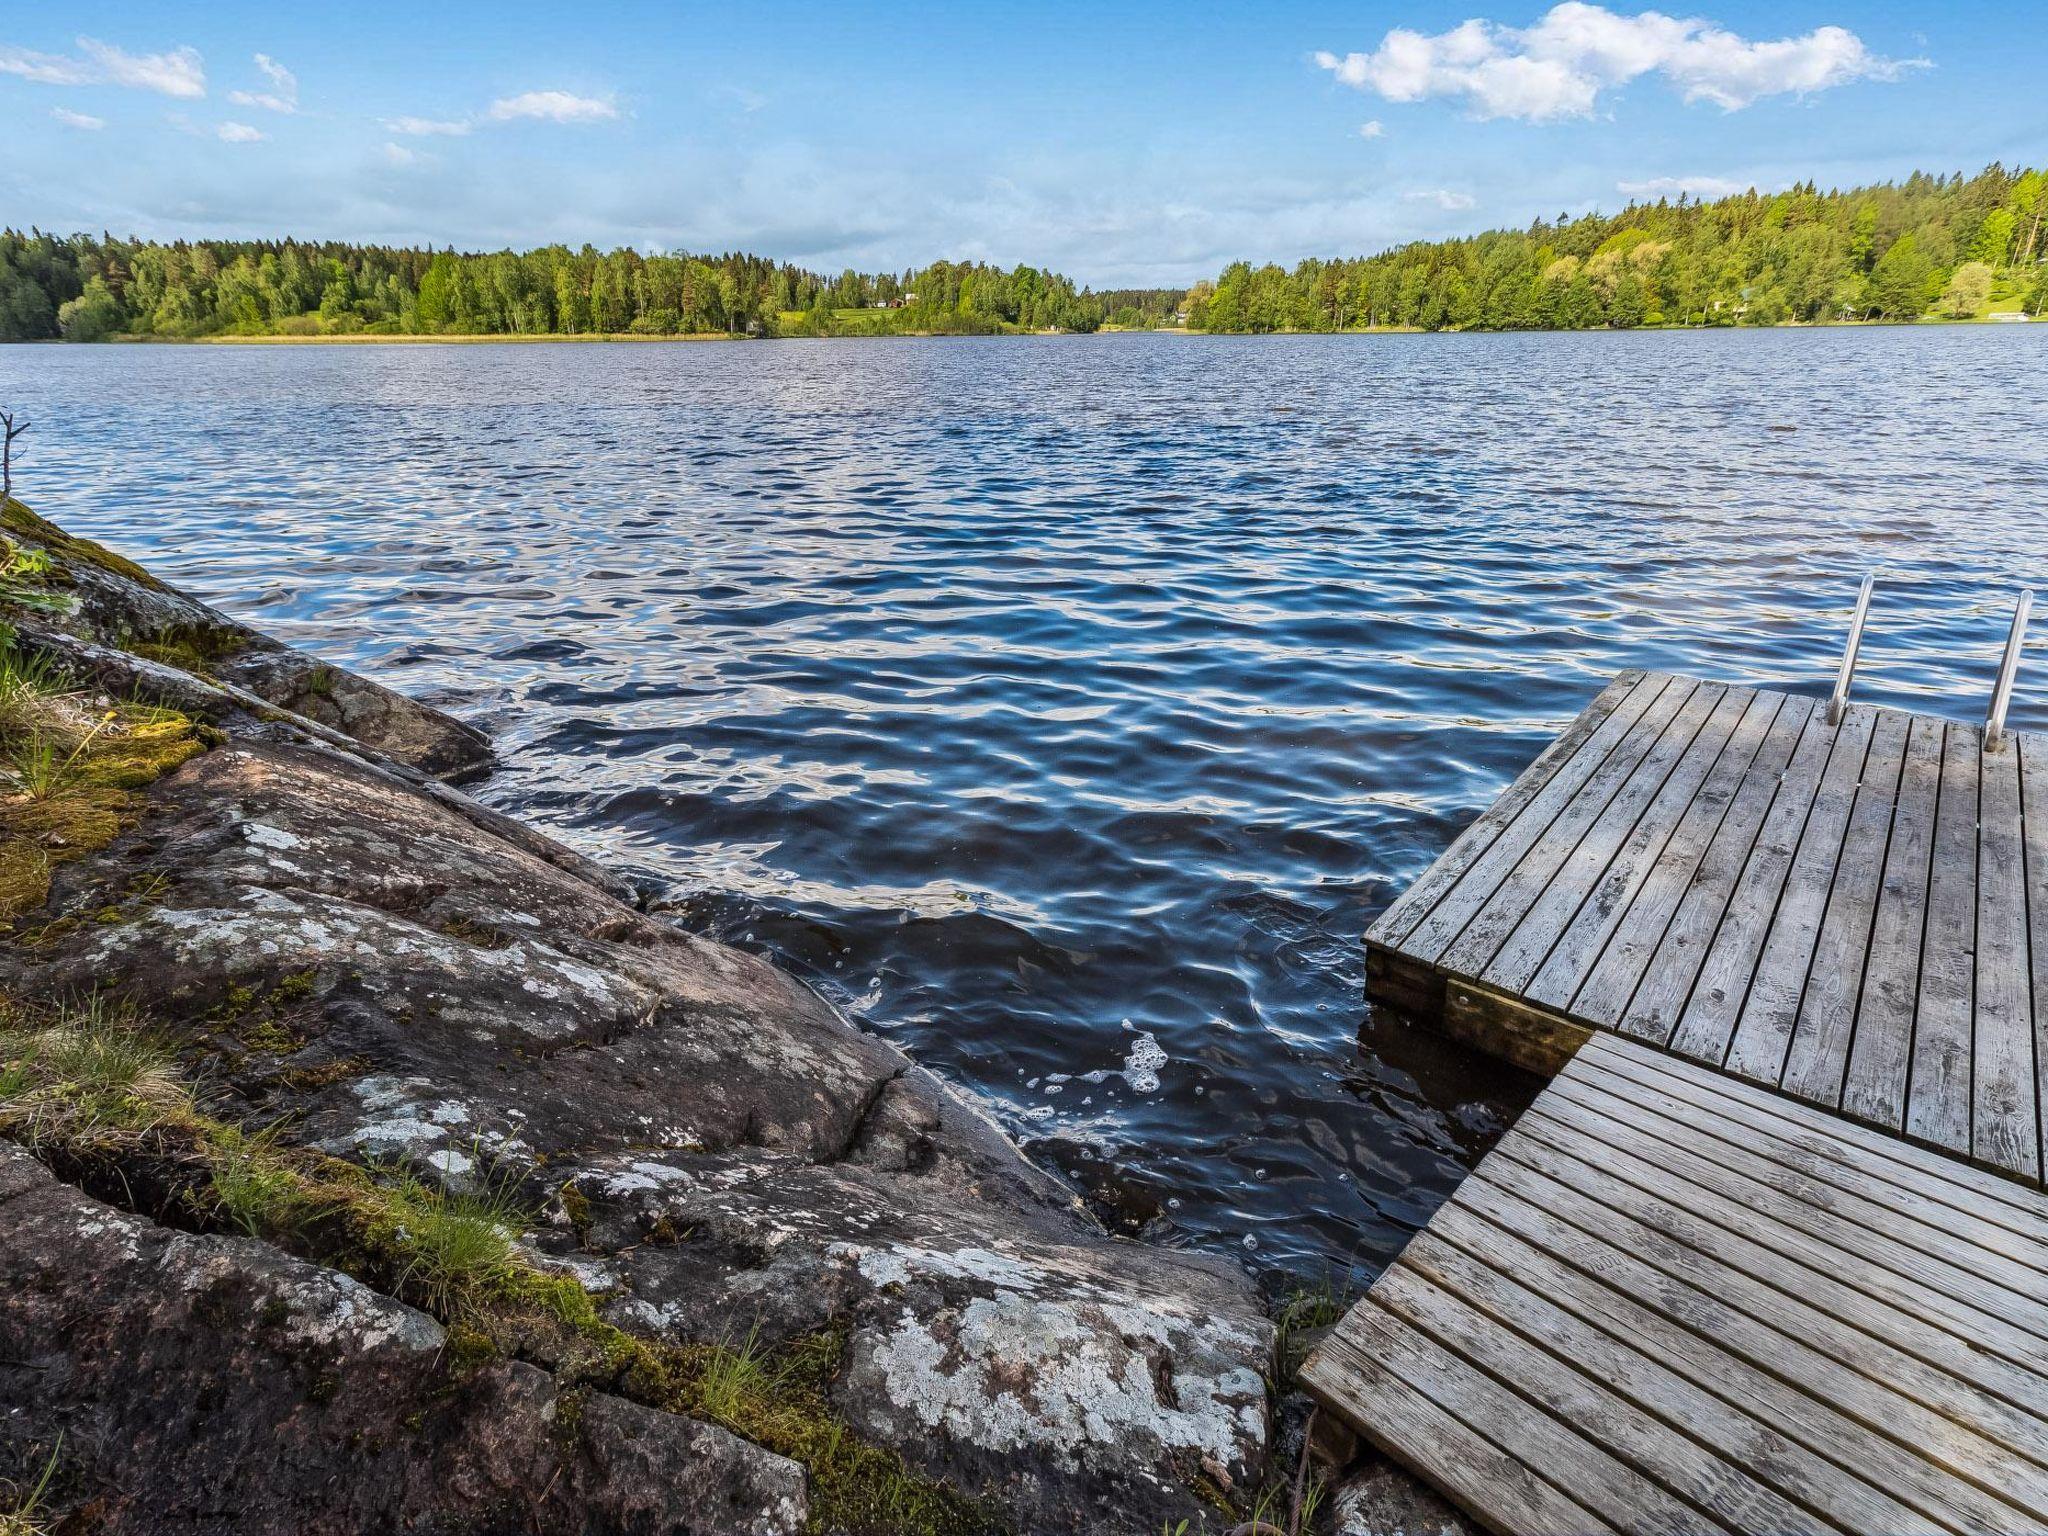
pixel 21 1503
pixel 92 1084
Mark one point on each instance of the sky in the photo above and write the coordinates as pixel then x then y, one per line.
pixel 1120 143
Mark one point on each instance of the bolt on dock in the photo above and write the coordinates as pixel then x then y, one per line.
pixel 1770 1252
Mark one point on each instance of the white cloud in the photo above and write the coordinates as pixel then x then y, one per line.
pixel 177 73
pixel 238 133
pixel 45 68
pixel 420 127
pixel 283 95
pixel 1693 186
pixel 1559 66
pixel 71 119
pixel 1372 130
pixel 553 107
pixel 398 154
pixel 1445 198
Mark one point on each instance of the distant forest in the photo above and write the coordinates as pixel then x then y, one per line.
pixel 1950 247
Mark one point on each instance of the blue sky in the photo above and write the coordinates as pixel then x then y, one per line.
pixel 1121 143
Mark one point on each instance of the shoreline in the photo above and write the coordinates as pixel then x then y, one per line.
pixel 467 339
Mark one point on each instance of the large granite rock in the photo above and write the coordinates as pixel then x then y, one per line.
pixel 376 966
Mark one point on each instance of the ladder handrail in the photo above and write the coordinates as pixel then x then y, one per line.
pixel 1839 701
pixel 2008 669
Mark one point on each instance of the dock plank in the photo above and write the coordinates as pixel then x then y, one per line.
pixel 2005 1129
pixel 1782 777
pixel 1879 1058
pixel 1475 884
pixel 1735 730
pixel 1684 1301
pixel 1413 904
pixel 2033 752
pixel 1603 991
pixel 1663 728
pixel 1938 1094
pixel 1802 829
pixel 1777 980
pixel 1817 1059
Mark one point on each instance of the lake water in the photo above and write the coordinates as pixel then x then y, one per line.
pixel 1065 708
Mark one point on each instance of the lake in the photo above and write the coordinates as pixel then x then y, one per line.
pixel 1064 708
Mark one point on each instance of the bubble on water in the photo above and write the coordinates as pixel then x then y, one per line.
pixel 1141 1066
pixel 1250 1241
pixel 1258 1173
pixel 1173 1202
pixel 1055 1087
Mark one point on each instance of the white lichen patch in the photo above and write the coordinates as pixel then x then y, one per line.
pixel 264 835
pixel 1014 1373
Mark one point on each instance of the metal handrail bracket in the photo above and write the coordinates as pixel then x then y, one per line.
pixel 1839 702
pixel 2008 669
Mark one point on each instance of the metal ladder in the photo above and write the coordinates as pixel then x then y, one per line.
pixel 2001 691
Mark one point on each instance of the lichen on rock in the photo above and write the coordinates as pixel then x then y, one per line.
pixel 709 1189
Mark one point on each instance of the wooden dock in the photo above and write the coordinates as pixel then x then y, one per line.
pixel 1669 1301
pixel 1770 1252
pixel 1855 914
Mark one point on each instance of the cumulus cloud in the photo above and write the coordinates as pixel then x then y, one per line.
pixel 1372 130
pixel 1559 66
pixel 1445 198
pixel 71 119
pixel 398 154
pixel 1692 186
pixel 179 72
pixel 283 95
pixel 238 133
pixel 553 107
pixel 421 127
pixel 176 73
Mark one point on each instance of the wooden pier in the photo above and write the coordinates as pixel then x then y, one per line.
pixel 1770 1252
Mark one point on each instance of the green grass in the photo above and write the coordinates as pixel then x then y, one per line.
pixel 94 1084
pixel 21 1504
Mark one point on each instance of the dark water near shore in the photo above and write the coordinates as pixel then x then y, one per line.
pixel 1065 708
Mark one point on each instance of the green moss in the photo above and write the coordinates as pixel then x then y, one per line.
pixel 95 1083
pixel 19 520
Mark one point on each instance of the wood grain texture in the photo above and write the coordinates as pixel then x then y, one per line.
pixel 1672 1300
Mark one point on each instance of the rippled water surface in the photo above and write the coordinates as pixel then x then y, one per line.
pixel 1066 707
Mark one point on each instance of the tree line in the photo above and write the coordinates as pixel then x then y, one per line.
pixel 94 288
pixel 1942 246
pixel 1947 246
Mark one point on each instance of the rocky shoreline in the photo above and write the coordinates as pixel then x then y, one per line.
pixel 370 1161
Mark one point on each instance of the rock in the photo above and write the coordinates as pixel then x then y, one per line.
pixel 213 1384
pixel 371 964
pixel 1377 1498
pixel 100 597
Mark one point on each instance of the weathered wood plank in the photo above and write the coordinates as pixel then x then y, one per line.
pixel 1938 1089
pixel 1503 1492
pixel 1688 797
pixel 1869 1228
pixel 2033 752
pixel 1772 1252
pixel 1854 1245
pixel 1808 814
pixel 1777 978
pixel 1879 1058
pixel 1604 992
pixel 1818 1057
pixel 1788 767
pixel 1729 1405
pixel 1922 1456
pixel 1676 714
pixel 1605 1485
pixel 2005 1127
pixel 1449 914
pixel 1556 1381
pixel 1413 904
pixel 1989 1196
pixel 1814 1158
